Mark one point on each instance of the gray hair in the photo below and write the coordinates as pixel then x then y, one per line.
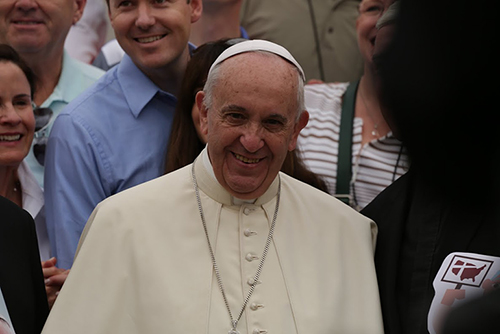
pixel 214 77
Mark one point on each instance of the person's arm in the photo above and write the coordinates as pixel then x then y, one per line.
pixel 73 184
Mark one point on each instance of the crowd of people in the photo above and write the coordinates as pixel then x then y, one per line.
pixel 247 166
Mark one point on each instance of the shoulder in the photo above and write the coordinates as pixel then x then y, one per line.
pixel 305 208
pixel 317 201
pixel 12 215
pixel 321 98
pixel 91 72
pixel 96 98
pixel 81 71
pixel 17 226
pixel 160 192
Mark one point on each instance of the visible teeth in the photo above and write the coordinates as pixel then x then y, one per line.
pixel 246 160
pixel 10 138
pixel 149 39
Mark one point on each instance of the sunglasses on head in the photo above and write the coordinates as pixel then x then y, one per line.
pixel 42 120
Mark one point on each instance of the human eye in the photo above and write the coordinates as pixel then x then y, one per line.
pixel 372 8
pixel 274 124
pixel 125 3
pixel 22 102
pixel 234 117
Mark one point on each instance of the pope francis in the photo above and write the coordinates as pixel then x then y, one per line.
pixel 228 244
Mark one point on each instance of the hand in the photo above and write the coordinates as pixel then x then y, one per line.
pixel 451 294
pixel 54 279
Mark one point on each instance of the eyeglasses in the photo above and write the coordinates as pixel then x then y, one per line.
pixel 42 121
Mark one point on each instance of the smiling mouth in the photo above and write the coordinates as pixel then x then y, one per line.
pixel 246 160
pixel 149 39
pixel 27 23
pixel 9 138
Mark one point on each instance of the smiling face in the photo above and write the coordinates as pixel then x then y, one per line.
pixel 154 33
pixel 38 26
pixel 369 12
pixel 17 122
pixel 252 121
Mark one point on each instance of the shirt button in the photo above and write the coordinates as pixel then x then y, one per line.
pixel 247 211
pixel 250 257
pixel 249 233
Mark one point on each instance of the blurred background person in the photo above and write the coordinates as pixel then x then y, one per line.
pixel 186 140
pixel 347 141
pixel 220 19
pixel 87 36
pixel 59 77
pixel 439 99
pixel 320 34
pixel 17 127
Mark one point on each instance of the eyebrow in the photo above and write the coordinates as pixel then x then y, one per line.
pixel 233 107
pixel 279 116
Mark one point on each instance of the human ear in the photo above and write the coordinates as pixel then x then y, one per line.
pixel 299 125
pixel 196 10
pixel 79 6
pixel 203 112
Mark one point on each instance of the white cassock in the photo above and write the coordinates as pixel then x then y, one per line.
pixel 143 263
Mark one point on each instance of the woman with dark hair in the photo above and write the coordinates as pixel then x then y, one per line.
pixel 18 123
pixel 186 141
pixel 21 279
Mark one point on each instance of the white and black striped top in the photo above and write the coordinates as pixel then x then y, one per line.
pixel 373 165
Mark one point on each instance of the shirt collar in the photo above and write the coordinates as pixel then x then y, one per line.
pixel 137 87
pixel 32 193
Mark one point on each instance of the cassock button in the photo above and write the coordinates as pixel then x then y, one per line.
pixel 255 306
pixel 251 281
pixel 247 211
pixel 259 331
pixel 250 257
pixel 248 232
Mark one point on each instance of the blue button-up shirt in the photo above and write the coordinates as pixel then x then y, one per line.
pixel 112 137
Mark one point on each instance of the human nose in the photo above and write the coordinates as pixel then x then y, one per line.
pixel 145 18
pixel 26 4
pixel 252 138
pixel 9 115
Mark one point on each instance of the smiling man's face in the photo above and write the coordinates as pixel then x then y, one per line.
pixel 154 33
pixel 252 122
pixel 38 26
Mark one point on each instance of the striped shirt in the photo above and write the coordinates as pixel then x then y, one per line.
pixel 375 165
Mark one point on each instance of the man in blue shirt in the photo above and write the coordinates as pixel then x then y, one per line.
pixel 114 135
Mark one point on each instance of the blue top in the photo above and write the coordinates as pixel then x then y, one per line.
pixel 112 137
pixel 75 78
